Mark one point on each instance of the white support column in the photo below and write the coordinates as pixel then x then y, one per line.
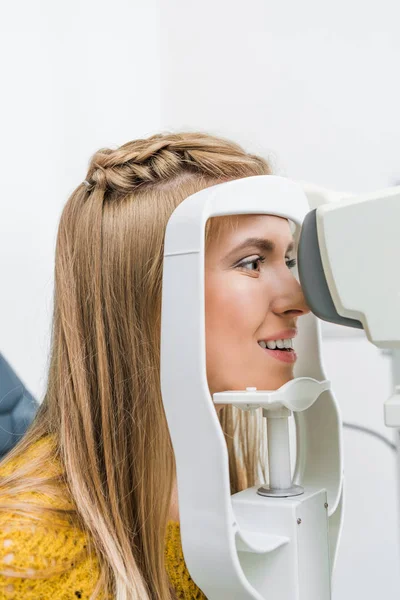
pixel 278 449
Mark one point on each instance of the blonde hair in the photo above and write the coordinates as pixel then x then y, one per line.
pixel 103 406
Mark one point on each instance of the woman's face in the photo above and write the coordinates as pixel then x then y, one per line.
pixel 246 303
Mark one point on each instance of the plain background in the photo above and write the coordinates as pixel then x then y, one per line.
pixel 312 86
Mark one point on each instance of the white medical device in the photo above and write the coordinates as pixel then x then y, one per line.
pixel 278 540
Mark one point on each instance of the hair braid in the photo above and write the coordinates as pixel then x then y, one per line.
pixel 164 156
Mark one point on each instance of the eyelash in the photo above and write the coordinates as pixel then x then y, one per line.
pixel 291 262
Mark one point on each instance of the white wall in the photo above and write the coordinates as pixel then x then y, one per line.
pixel 314 86
pixel 315 83
pixel 76 77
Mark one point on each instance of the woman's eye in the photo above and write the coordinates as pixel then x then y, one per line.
pixel 251 262
pixel 291 263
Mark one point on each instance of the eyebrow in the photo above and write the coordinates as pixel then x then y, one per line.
pixel 262 244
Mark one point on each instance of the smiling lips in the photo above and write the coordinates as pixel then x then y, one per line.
pixel 280 345
pixel 284 344
pixel 286 355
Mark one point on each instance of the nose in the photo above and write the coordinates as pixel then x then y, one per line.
pixel 291 300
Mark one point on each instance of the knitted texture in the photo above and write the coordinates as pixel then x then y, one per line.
pixel 26 546
pixel 184 586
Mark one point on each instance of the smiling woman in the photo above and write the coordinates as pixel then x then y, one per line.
pixel 251 298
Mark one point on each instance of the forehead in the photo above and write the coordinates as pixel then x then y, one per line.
pixel 233 229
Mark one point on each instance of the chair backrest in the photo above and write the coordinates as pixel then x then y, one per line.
pixel 17 407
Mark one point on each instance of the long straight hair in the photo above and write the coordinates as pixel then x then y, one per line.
pixel 102 413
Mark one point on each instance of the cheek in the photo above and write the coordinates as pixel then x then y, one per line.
pixel 235 307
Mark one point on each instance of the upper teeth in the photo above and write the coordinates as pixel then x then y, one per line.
pixel 272 344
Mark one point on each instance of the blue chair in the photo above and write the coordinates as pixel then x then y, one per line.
pixel 17 407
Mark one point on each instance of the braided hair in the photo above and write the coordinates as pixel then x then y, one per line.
pixel 163 157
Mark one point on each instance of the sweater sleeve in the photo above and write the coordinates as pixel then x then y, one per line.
pixel 178 573
pixel 28 549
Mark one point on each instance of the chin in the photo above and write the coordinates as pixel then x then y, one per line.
pixel 278 382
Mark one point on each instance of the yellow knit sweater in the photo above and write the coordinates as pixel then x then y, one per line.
pixel 26 546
